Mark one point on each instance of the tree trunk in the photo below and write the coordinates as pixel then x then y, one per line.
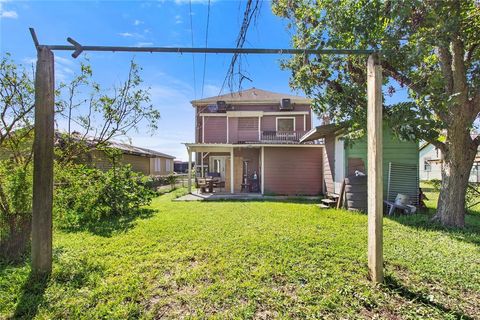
pixel 458 158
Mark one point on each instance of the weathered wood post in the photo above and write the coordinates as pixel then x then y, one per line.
pixel 189 170
pixel 43 163
pixel 375 168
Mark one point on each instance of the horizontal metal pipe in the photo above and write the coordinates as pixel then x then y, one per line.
pixel 211 50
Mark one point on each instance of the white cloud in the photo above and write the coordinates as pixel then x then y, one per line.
pixel 205 2
pixel 131 35
pixel 126 34
pixel 137 22
pixel 8 14
pixel 211 90
pixel 178 19
pixel 144 44
pixel 29 60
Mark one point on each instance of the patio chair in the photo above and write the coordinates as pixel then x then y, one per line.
pixel 218 183
pixel 202 184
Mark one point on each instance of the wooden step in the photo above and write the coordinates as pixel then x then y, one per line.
pixel 329 201
pixel 334 196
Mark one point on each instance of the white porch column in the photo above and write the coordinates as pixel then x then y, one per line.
pixel 232 189
pixel 228 132
pixel 203 129
pixel 259 129
pixel 201 163
pixel 189 171
pixel 262 174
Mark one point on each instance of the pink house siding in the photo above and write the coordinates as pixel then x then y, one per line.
pixel 233 130
pixel 293 171
pixel 215 130
pixel 268 123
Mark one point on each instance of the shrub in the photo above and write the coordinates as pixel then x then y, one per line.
pixel 84 196
pixel 77 194
pixel 124 191
pixel 15 209
pixel 172 180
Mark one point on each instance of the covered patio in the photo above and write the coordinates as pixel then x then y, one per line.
pixel 238 167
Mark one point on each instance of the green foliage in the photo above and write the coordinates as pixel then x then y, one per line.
pixel 76 195
pixel 255 259
pixel 124 191
pixel 84 196
pixel 171 180
pixel 15 209
pixel 417 39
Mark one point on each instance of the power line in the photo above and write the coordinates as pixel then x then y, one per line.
pixel 206 45
pixel 193 56
pixel 252 10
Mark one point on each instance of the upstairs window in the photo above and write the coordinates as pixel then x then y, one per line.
pixel 247 124
pixel 286 124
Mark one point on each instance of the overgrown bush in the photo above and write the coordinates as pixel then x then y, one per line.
pixel 124 191
pixel 15 209
pixel 84 196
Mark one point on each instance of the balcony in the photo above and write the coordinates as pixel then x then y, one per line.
pixel 274 137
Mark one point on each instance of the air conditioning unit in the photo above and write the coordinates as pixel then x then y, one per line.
pixel 221 106
pixel 286 104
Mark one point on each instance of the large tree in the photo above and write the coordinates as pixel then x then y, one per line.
pixel 430 47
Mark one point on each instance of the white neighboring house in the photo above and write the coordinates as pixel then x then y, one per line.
pixel 430 165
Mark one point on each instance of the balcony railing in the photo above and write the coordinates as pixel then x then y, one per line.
pixel 281 136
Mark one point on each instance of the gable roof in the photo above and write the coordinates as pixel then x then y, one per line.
pixel 252 95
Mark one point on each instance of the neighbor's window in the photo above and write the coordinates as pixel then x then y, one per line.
pixel 426 165
pixel 157 164
pixel 167 165
pixel 285 124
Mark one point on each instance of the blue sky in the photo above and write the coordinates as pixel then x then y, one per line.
pixel 150 23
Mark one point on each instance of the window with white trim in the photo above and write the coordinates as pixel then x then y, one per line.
pixel 168 165
pixel 158 166
pixel 286 124
pixel 427 166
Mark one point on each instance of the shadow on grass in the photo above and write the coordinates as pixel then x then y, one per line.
pixel 108 226
pixel 286 200
pixel 471 232
pixel 31 296
pixel 394 285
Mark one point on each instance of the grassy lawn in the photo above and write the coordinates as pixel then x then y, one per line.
pixel 251 260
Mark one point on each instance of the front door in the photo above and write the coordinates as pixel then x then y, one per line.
pixel 217 164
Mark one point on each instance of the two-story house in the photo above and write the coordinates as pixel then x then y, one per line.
pixel 251 140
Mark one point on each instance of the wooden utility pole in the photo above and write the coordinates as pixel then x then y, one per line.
pixel 375 168
pixel 43 163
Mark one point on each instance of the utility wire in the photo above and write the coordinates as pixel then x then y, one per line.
pixel 193 56
pixel 206 45
pixel 252 10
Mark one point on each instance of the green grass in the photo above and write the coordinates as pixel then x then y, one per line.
pixel 250 260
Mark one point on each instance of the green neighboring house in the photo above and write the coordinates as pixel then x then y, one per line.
pixel 342 159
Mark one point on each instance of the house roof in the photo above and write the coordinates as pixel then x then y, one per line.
pixel 124 147
pixel 129 149
pixel 251 95
pixel 321 131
